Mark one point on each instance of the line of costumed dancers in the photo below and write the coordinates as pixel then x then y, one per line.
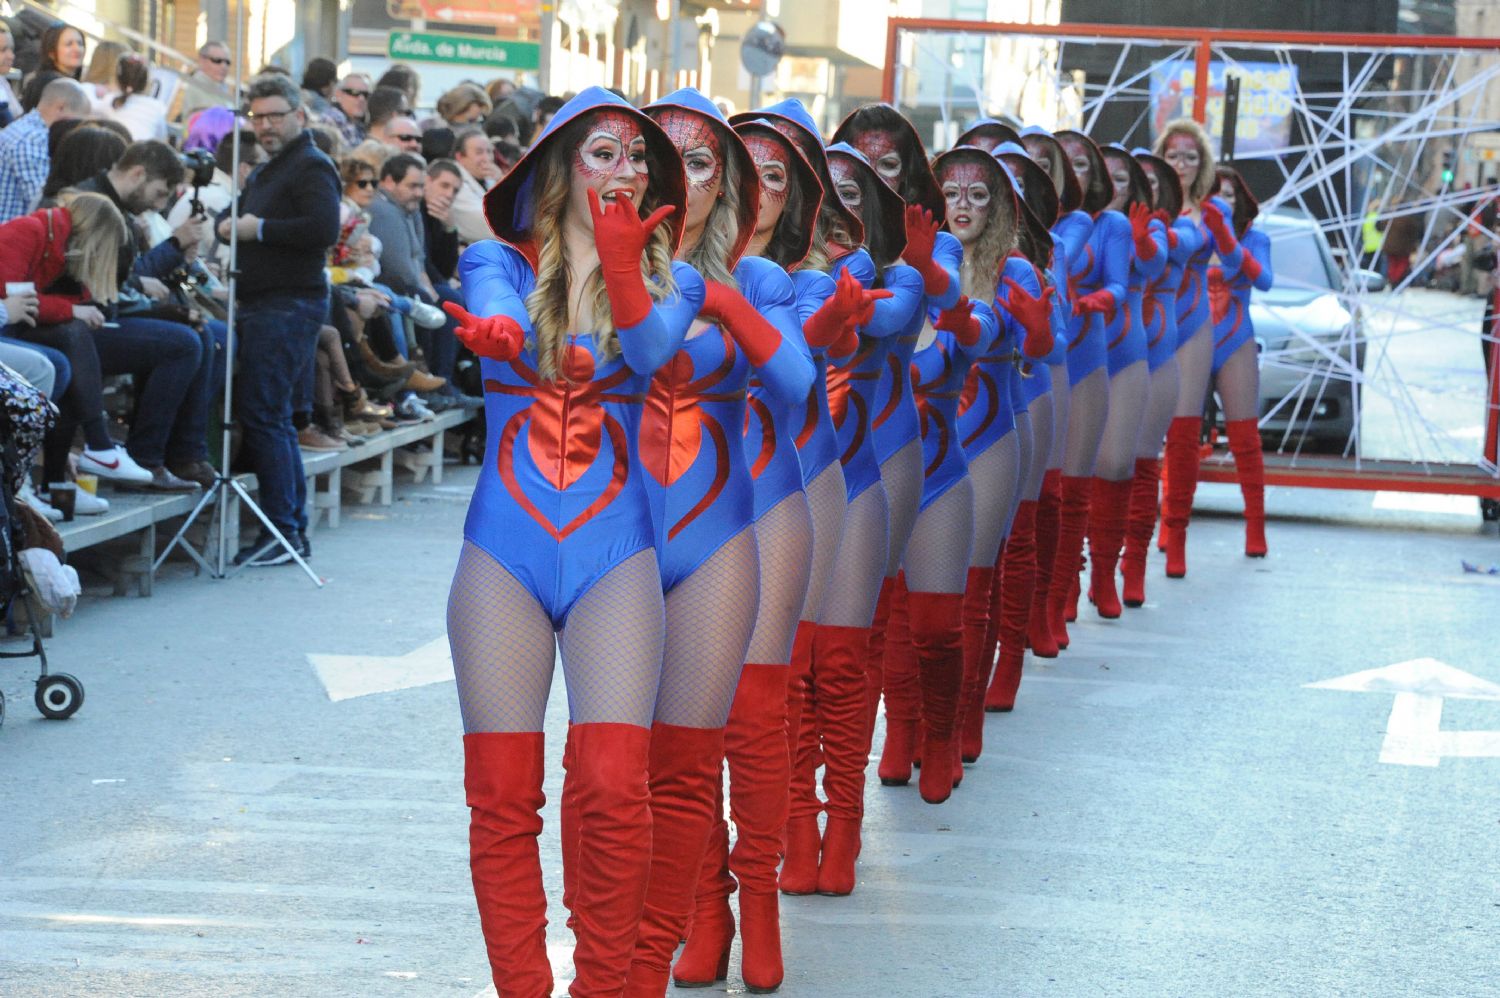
pixel 780 429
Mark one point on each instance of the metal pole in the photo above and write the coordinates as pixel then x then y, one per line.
pixel 675 54
pixel 544 51
pixel 1231 117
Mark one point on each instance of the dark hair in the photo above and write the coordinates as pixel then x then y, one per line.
pixel 133 77
pixel 325 137
pixel 224 151
pixel 549 106
pixel 500 125
pixel 351 169
pixel 1140 185
pixel 1101 189
pixel 159 159
pixel 444 166
pixel 462 136
pixel 1168 185
pixel 437 143
pixel 398 166
pixel 319 75
pixel 385 103
pixel 274 85
pixel 85 151
pixel 57 131
pixel 881 240
pixel 51 42
pixel 401 77
pixel 918 185
pixel 31 95
pixel 1246 207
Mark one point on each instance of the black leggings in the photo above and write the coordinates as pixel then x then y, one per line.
pixel 82 404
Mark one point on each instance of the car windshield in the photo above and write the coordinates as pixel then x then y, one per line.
pixel 1299 259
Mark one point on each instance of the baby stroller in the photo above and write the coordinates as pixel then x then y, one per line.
pixel 58 695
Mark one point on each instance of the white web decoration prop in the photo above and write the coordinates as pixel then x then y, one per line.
pixel 1411 366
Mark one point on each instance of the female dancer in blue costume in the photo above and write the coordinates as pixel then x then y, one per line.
pixel 1160 312
pixel 573 312
pixel 1143 244
pixel 755 738
pixel 702 498
pixel 1070 236
pixel 837 691
pixel 1184 145
pixel 1097 280
pixel 1244 254
pixel 1013 598
pixel 891 145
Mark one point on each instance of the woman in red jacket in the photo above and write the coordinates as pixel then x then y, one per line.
pixel 80 241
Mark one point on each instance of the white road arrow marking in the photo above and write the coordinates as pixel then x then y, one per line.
pixel 1413 735
pixel 349 676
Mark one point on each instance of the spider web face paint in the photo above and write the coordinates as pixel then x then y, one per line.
pixel 846 182
pixel 613 137
pixel 967 195
pixel 699 143
pixel 882 148
pixel 771 163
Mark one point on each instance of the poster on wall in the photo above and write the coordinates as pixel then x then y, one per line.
pixel 1267 94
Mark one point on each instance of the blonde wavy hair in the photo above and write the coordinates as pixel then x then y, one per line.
pixel 93 253
pixel 979 275
pixel 1206 181
pixel 710 255
pixel 548 302
pixel 828 233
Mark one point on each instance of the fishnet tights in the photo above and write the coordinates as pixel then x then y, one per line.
pixel 784 536
pixel 1161 403
pixel 1041 446
pixel 993 476
pixel 1062 404
pixel 504 646
pixel 1195 361
pixel 710 615
pixel 1088 408
pixel 1238 384
pixel 1024 437
pixel 1122 427
pixel 901 474
pixel 826 500
pixel 855 583
pixel 937 559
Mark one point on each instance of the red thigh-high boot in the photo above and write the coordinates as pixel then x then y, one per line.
pixel 705 957
pixel 1108 512
pixel 1017 583
pixel 1250 466
pixel 1161 533
pixel 937 640
pixel 980 584
pixel 799 874
pixel 608 781
pixel 875 659
pixel 1182 458
pixel 686 777
pixel 902 692
pixel 1048 510
pixel 1072 523
pixel 503 786
pixel 1143 509
pixel 759 771
pixel 838 674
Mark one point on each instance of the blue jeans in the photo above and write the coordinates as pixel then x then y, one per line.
pixel 278 341
pixel 442 343
pixel 173 368
pixel 64 371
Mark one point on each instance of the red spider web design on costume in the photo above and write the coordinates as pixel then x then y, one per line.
pixel 934 420
pixel 765 150
pixel 616 124
pixel 567 423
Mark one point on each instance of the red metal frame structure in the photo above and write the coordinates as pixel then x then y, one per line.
pixel 1300 470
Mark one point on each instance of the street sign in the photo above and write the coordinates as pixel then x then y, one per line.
pixel 512 14
pixel 469 50
pixel 762 48
pixel 1413 734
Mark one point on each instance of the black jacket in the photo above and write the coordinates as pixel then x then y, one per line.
pixel 297 194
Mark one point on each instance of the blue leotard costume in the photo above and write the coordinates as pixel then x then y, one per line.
pixel 853 381
pixel 1142 273
pixel 692 436
pixel 1234 330
pixel 1070 240
pixel 811 424
pixel 1106 267
pixel 895 422
pixel 938 373
pixel 1192 295
pixel 1160 304
pixel 1039 381
pixel 562 498
pixel 770 414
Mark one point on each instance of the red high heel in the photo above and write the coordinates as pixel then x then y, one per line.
pixel 1182 481
pixel 839 654
pixel 901 692
pixel 1107 516
pixel 1072 524
pixel 937 640
pixel 1143 512
pixel 1250 467
pixel 1048 511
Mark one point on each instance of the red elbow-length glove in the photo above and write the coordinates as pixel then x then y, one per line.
pixel 1100 301
pixel 621 236
pixel 921 238
pixel 1140 231
pixel 1213 219
pixel 1034 315
pixel 498 337
pixel 959 320
pixel 730 309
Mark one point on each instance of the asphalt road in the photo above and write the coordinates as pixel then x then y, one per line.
pixel 1169 811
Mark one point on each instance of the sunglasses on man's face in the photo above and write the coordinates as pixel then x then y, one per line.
pixel 218 60
pixel 365 184
pixel 407 138
pixel 360 94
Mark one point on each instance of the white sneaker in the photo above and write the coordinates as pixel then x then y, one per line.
pixel 39 504
pixel 88 504
pixel 427 316
pixel 115 465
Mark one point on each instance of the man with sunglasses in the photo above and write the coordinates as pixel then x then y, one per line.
pixel 399 133
pixel 289 219
pixel 350 110
pixel 207 86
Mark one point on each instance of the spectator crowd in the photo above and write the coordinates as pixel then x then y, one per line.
pixel 117 190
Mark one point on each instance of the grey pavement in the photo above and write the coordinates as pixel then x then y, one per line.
pixel 1168 811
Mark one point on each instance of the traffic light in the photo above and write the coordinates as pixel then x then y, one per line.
pixel 1447 166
